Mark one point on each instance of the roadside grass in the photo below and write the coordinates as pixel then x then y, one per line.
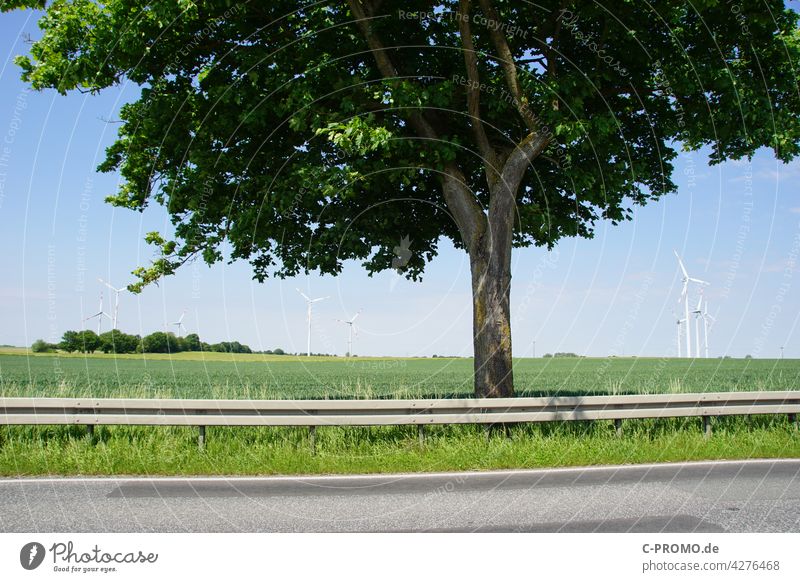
pixel 122 450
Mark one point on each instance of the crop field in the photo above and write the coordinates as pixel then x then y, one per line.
pixel 146 450
pixel 256 376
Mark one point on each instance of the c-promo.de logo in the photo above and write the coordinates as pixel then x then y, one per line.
pixel 31 555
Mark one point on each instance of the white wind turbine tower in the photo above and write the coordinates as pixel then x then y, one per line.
pixel 350 332
pixel 680 322
pixel 116 301
pixel 697 313
pixel 706 318
pixel 310 302
pixel 686 279
pixel 99 315
pixel 179 323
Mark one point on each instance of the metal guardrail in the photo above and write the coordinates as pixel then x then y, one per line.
pixel 314 413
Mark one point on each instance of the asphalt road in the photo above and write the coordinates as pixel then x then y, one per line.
pixel 750 496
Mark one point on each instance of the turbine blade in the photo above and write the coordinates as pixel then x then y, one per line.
pixel 700 281
pixel 680 262
pixel 303 294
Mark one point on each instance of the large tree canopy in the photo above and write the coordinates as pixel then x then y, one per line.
pixel 305 134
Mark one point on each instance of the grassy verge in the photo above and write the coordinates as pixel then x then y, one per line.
pixel 267 451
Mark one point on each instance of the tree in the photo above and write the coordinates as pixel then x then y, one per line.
pixel 192 343
pixel 88 341
pixel 160 342
pixel 42 347
pixel 117 342
pixel 70 341
pixel 302 135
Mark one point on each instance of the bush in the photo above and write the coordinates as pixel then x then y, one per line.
pixel 42 347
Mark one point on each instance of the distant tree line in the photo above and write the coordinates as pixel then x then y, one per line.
pixel 118 342
pixel 561 355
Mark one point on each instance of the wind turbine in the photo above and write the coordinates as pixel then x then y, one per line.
pixel 310 302
pixel 116 301
pixel 686 279
pixel 350 332
pixel 179 323
pixel 99 315
pixel 706 326
pixel 698 314
pixel 680 322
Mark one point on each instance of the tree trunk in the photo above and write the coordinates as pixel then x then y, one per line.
pixel 491 325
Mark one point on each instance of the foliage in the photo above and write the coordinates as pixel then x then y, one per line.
pixel 41 347
pixel 70 341
pixel 117 342
pixel 85 341
pixel 191 343
pixel 230 347
pixel 160 342
pixel 89 341
pixel 271 127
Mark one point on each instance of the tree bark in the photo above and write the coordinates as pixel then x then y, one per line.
pixel 491 324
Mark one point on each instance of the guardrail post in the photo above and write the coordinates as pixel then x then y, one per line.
pixel 793 420
pixel 707 426
pixel 201 437
pixel 312 439
pixel 618 427
pixel 421 435
pixel 90 431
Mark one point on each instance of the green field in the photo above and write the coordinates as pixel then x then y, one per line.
pixel 285 450
pixel 198 375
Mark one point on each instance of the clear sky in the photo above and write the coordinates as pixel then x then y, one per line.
pixel 737 226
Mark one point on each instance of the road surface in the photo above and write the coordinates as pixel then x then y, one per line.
pixel 749 496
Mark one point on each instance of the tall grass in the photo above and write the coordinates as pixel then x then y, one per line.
pixel 127 450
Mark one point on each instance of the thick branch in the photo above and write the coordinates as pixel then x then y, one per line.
pixel 503 200
pixel 517 163
pixel 509 67
pixel 385 65
pixel 473 95
pixel 467 213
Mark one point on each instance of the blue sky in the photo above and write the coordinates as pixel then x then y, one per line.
pixel 737 226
